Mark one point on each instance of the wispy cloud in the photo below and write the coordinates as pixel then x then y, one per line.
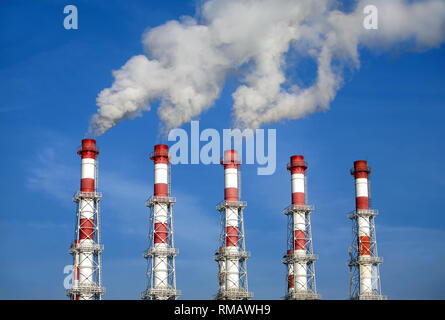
pixel 47 174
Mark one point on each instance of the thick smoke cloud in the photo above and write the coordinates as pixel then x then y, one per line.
pixel 185 63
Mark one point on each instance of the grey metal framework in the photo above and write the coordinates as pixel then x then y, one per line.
pixel 308 258
pixel 227 257
pixel 93 288
pixel 356 260
pixel 168 290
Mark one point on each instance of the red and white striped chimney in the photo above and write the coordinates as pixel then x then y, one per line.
pixel 298 167
pixel 361 173
pixel 87 225
pixel 231 194
pixel 88 153
pixel 160 158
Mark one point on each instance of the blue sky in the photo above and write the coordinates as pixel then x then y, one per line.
pixel 390 113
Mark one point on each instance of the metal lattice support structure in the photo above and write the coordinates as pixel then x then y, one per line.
pixel 161 252
pixel 232 255
pixel 232 274
pixel 86 248
pixel 364 283
pixel 299 258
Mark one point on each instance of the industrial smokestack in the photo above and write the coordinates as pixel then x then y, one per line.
pixel 86 248
pixel 232 256
pixel 364 263
pixel 161 273
pixel 299 257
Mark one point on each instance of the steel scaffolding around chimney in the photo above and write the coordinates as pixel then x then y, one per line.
pixel 161 252
pixel 232 255
pixel 299 258
pixel 364 282
pixel 86 248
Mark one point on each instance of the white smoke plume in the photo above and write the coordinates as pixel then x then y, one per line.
pixel 186 63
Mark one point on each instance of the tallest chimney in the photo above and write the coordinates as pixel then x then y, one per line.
pixel 364 263
pixel 299 257
pixel 161 253
pixel 231 255
pixel 86 249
